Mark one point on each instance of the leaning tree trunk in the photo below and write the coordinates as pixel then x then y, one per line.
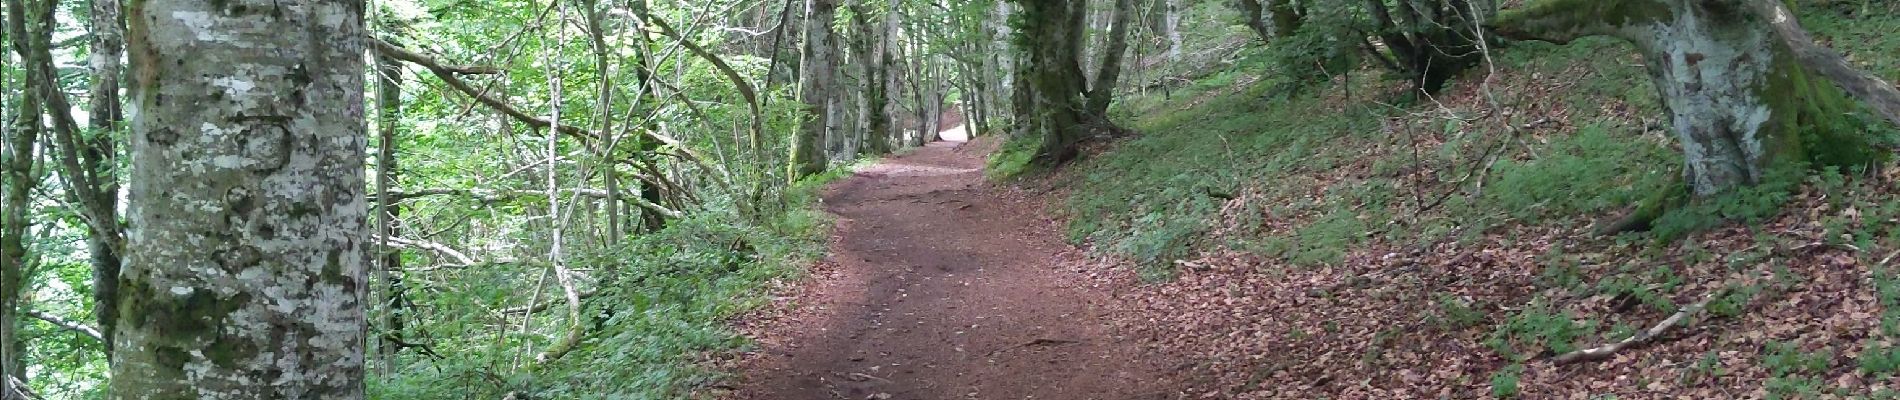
pixel 814 89
pixel 1104 90
pixel 1050 104
pixel 244 271
pixel 1741 102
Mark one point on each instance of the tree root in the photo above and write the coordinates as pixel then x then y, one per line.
pixel 1605 351
pixel 1646 211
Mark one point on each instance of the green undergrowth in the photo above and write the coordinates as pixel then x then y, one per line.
pixel 664 312
pixel 1321 168
pixel 1324 172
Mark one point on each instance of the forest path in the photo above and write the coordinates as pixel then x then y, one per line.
pixel 939 285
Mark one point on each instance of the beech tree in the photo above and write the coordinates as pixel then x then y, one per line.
pixel 1739 80
pixel 814 88
pixel 245 268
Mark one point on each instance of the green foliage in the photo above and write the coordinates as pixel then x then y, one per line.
pixel 1749 204
pixel 1504 381
pixel 1457 313
pixel 1782 358
pixel 1014 158
pixel 1326 45
pixel 1538 328
pixel 1880 361
pixel 1589 172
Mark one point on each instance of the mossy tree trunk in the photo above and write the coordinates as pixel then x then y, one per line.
pixel 814 89
pixel 244 275
pixel 1050 103
pixel 1739 100
pixel 18 179
pixel 869 48
pixel 1430 41
pixel 1108 77
pixel 18 182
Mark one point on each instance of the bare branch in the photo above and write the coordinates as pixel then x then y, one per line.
pixel 431 246
pixel 67 324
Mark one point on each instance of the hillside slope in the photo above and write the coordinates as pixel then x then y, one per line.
pixel 1336 242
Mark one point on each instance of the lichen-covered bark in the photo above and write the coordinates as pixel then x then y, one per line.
pixel 1738 99
pixel 1049 103
pixel 814 89
pixel 245 263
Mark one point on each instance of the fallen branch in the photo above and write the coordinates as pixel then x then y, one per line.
pixel 70 325
pixel 1605 351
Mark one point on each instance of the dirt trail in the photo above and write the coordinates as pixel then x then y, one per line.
pixel 940 286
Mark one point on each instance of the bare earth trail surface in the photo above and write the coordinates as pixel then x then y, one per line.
pixel 939 285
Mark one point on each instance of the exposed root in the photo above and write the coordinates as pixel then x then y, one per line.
pixel 1646 211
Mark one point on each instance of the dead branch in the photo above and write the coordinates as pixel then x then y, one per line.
pixel 67 324
pixel 1605 351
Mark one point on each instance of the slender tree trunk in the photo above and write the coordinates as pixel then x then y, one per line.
pixel 100 156
pixel 389 269
pixel 814 89
pixel 1104 91
pixel 254 160
pixel 15 206
pixel 1741 102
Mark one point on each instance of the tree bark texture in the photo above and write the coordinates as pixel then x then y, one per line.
pixel 1050 104
pixel 101 202
pixel 1740 101
pixel 814 89
pixel 17 158
pixel 245 266
pixel 1104 90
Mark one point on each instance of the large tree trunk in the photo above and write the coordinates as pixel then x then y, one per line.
pixel 1740 101
pixel 1104 90
pixel 244 273
pixel 1431 41
pixel 1253 14
pixel 814 89
pixel 1050 102
pixel 869 46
